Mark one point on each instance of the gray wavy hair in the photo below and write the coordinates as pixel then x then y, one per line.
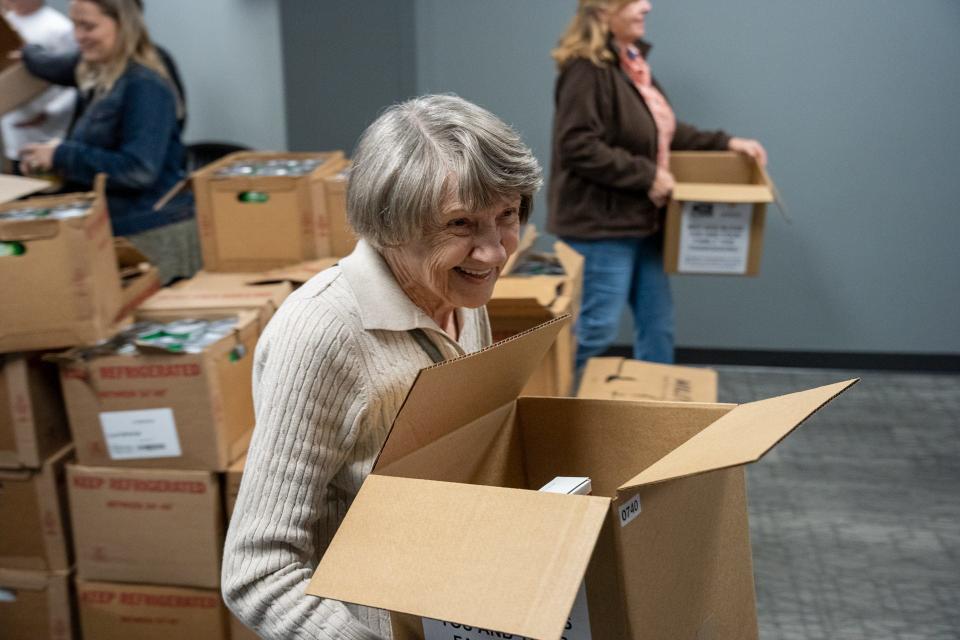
pixel 420 154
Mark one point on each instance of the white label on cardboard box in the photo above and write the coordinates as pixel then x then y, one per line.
pixel 714 237
pixel 145 433
pixel 630 510
pixel 578 626
pixel 8 596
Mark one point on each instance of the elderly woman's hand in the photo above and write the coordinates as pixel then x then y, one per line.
pixel 750 147
pixel 38 158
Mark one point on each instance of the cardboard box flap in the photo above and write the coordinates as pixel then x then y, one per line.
pixel 508 560
pixel 528 292
pixel 704 192
pixel 30 229
pixel 571 260
pixel 739 437
pixel 13 187
pixel 527 237
pixel 501 371
pixel 217 297
pixel 29 580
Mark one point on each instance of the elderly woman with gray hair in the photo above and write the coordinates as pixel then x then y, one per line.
pixel 437 194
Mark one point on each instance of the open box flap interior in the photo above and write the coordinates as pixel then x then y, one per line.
pixel 430 412
pixel 739 437
pixel 527 237
pixel 527 292
pixel 13 187
pixel 508 560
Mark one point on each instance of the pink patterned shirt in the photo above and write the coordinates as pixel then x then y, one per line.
pixel 637 69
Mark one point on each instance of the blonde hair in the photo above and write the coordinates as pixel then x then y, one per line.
pixel 133 45
pixel 587 34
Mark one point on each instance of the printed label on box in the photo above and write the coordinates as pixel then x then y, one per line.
pixel 630 510
pixel 146 433
pixel 578 626
pixel 714 237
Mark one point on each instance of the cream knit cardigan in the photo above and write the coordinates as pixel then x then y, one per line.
pixel 330 373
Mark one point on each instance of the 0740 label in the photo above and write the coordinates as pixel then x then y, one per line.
pixel 629 510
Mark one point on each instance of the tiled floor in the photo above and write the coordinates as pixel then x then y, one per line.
pixel 855 517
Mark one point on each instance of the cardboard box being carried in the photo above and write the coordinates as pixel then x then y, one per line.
pixel 449 525
pixel 34 535
pixel 156 409
pixel 257 222
pixel 520 302
pixel 623 379
pixel 716 215
pixel 33 422
pixel 148 612
pixel 147 525
pixel 17 85
pixel 38 606
pixel 60 279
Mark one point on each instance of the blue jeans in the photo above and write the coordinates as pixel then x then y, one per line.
pixel 618 271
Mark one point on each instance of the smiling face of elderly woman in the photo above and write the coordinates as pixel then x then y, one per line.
pixel 440 187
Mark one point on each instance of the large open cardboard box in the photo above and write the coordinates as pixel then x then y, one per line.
pixel 450 526
pixel 623 379
pixel 152 526
pixel 715 217
pixel 284 223
pixel 110 611
pixel 35 534
pixel 33 422
pixel 64 289
pixel 17 85
pixel 520 302
pixel 36 605
pixel 164 410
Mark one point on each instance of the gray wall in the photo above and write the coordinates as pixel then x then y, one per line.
pixel 230 55
pixel 344 62
pixel 855 101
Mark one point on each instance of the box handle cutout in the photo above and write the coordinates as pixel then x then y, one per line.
pixel 253 197
pixel 12 249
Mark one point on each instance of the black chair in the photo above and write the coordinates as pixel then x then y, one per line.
pixel 200 154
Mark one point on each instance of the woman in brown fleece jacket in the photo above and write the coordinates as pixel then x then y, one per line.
pixel 610 179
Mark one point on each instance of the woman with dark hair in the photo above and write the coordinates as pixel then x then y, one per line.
pixel 129 132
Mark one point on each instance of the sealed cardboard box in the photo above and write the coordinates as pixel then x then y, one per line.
pixel 462 535
pixel 535 288
pixel 215 293
pixel 36 605
pixel 35 533
pixel 150 612
pixel 33 423
pixel 17 85
pixel 342 237
pixel 261 210
pixel 61 283
pixel 159 409
pixel 623 379
pixel 715 218
pixel 146 525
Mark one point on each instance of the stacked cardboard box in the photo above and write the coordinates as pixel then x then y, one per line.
pixel 663 542
pixel 255 212
pixel 525 297
pixel 622 379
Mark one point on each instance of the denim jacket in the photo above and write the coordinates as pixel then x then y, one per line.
pixel 131 134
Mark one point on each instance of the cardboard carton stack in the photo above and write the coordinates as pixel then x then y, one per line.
pixel 536 287
pixel 463 536
pixel 263 210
